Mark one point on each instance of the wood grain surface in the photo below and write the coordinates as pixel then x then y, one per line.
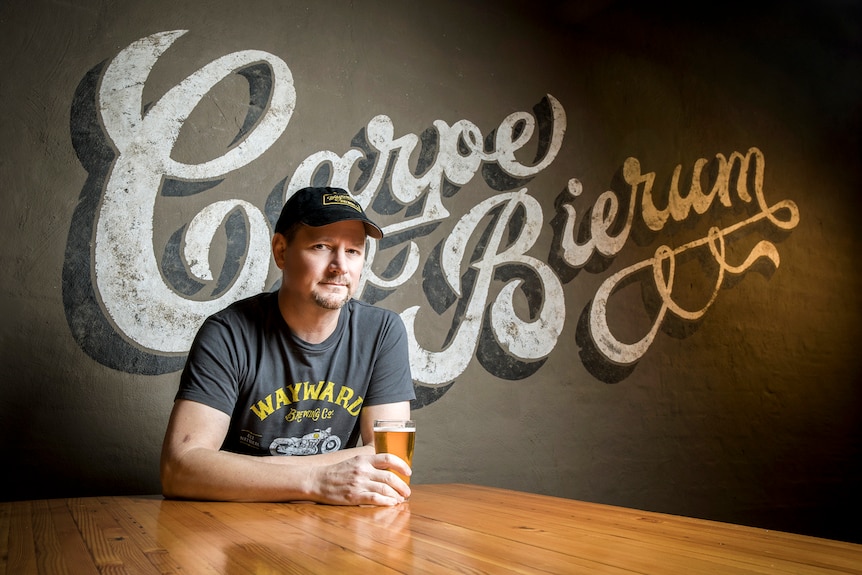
pixel 449 528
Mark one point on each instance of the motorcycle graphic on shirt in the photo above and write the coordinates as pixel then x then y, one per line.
pixel 318 441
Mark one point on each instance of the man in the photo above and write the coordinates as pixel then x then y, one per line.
pixel 299 374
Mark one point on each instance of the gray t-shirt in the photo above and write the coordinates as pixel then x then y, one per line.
pixel 289 397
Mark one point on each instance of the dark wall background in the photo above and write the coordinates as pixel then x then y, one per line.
pixel 750 413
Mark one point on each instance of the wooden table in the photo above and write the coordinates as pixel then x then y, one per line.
pixel 442 529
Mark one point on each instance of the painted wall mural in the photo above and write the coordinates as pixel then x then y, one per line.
pixel 137 311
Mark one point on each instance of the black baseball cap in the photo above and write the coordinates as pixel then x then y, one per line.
pixel 322 206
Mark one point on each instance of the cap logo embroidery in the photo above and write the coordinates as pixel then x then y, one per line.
pixel 341 199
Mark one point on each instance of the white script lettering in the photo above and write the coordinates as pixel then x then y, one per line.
pixel 136 297
pixel 525 340
pixel 663 263
pixel 148 311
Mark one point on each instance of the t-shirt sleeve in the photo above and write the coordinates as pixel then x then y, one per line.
pixel 391 379
pixel 211 373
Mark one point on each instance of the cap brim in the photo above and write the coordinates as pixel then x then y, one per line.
pixel 371 230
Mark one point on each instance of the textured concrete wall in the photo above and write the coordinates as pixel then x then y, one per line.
pixel 625 242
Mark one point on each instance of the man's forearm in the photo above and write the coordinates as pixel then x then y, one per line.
pixel 320 459
pixel 222 476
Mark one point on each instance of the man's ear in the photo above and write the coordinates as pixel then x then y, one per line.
pixel 279 245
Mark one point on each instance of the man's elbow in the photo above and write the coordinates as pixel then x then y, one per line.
pixel 168 477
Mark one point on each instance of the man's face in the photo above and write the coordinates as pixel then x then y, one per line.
pixel 322 264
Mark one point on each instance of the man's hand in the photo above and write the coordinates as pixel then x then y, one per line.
pixel 363 480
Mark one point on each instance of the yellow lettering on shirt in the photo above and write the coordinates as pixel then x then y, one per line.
pixel 281 399
pixel 311 391
pixel 323 391
pixel 294 391
pixel 328 392
pixel 263 408
pixel 344 395
pixel 354 407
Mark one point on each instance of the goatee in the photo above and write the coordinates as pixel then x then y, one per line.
pixel 330 302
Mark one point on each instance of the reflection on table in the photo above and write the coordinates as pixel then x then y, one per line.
pixel 443 528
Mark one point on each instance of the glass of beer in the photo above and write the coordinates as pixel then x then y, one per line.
pixel 395 436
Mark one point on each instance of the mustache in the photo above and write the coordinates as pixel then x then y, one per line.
pixel 339 279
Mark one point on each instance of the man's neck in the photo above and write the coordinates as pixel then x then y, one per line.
pixel 310 323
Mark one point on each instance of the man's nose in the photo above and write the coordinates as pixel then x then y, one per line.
pixel 339 260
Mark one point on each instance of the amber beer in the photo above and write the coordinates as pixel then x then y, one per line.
pixel 396 437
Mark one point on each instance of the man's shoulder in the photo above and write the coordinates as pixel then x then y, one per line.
pixel 368 310
pixel 251 308
pixel 370 319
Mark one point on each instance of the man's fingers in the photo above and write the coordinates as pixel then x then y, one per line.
pixel 389 461
pixel 367 480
